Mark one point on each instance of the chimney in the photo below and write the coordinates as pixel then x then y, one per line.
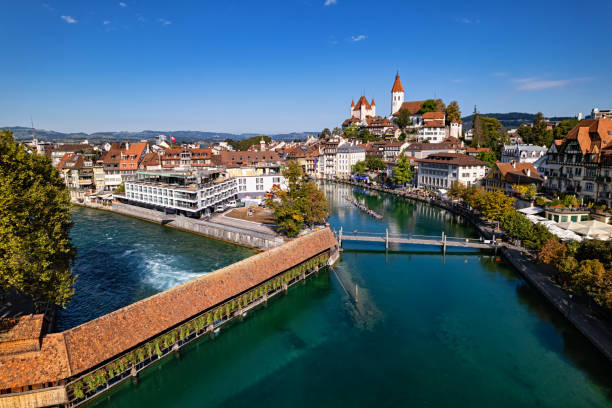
pixel 513 164
pixel 528 172
pixel 127 145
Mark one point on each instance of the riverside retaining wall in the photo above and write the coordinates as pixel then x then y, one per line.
pixel 240 236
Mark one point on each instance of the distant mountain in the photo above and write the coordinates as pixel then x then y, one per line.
pixel 509 120
pixel 24 133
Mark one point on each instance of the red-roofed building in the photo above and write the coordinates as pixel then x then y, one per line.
pixel 186 158
pixel 581 163
pixel 504 175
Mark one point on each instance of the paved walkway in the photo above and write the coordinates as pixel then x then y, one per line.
pixel 243 224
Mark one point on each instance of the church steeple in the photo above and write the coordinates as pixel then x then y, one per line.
pixel 397 85
pixel 397 95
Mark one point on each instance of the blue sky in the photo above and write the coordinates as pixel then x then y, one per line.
pixel 279 66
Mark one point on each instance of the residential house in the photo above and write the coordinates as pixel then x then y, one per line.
pixel 504 175
pixel 347 155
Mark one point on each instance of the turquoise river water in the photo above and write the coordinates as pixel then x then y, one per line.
pixel 461 330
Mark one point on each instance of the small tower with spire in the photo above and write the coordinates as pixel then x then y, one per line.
pixel 397 94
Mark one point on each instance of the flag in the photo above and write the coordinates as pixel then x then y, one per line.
pixel 173 138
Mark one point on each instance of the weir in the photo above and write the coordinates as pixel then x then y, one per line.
pixel 74 366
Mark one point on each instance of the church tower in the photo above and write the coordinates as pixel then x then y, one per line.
pixel 397 95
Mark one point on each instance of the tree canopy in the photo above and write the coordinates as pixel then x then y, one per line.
pixel 488 157
pixel 35 248
pixel 432 105
pixel 402 120
pixel 351 131
pixel 536 134
pixel 453 112
pixel 562 129
pixel 374 163
pixel 402 172
pixel 302 203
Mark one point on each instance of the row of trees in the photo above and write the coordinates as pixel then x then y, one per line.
pixel 533 236
pixel 301 204
pixel 585 267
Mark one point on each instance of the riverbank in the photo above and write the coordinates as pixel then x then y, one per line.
pixel 594 329
pixel 228 233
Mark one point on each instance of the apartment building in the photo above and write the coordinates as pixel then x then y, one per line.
pixel 439 171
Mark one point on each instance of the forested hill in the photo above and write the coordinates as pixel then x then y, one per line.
pixel 509 120
pixel 24 133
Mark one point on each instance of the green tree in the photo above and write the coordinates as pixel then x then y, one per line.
pixel 325 133
pixel 120 189
pixel 244 144
pixel 538 238
pixel 570 200
pixel 595 249
pixel 453 112
pixel 302 202
pixel 374 163
pixel 457 189
pixel 336 131
pixel 402 119
pixel 563 128
pixel 351 131
pixel 496 205
pixel 488 157
pixel 35 248
pixel 430 105
pixel 588 277
pixel 402 172
pixel 537 134
pixel 517 225
pixel 359 167
pixel 366 136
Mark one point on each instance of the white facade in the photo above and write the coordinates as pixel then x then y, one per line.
pixel 258 186
pixel 346 157
pixel 432 133
pixel 455 129
pixel 440 171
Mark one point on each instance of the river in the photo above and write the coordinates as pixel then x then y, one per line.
pixel 428 330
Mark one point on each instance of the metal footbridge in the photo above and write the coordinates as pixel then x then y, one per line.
pixel 443 241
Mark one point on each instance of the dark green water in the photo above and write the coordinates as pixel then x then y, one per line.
pixel 462 330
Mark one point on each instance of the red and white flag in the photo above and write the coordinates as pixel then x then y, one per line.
pixel 173 138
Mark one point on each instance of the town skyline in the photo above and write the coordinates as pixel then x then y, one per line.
pixel 127 66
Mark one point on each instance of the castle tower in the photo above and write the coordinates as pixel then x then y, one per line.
pixel 373 105
pixel 397 95
pixel 352 108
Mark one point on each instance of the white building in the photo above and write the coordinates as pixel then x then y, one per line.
pixel 434 129
pixel 522 153
pixel 346 157
pixel 253 183
pixel 193 194
pixel 598 114
pixel 439 171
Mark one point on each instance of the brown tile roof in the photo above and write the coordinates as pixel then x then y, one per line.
pixel 513 172
pixel 478 149
pixel 363 101
pixel 434 124
pixel 73 147
pixel 92 343
pixel 47 365
pixel 397 85
pixel 453 158
pixel 413 107
pixel 21 328
pixel 592 135
pixel 433 115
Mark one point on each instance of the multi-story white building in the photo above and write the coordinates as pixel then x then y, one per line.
pixel 191 193
pixel 522 153
pixel 433 132
pixel 253 183
pixel 440 170
pixel 346 156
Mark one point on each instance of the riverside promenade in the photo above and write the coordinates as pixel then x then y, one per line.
pixel 584 320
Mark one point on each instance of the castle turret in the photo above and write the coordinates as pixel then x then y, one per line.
pixel 397 95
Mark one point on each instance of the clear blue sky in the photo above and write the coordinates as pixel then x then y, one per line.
pixel 278 66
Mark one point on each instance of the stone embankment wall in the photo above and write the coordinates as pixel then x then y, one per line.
pixel 240 236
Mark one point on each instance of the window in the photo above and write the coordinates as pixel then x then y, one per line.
pixel 589 186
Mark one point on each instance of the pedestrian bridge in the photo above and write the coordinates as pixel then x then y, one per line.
pixel 442 240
